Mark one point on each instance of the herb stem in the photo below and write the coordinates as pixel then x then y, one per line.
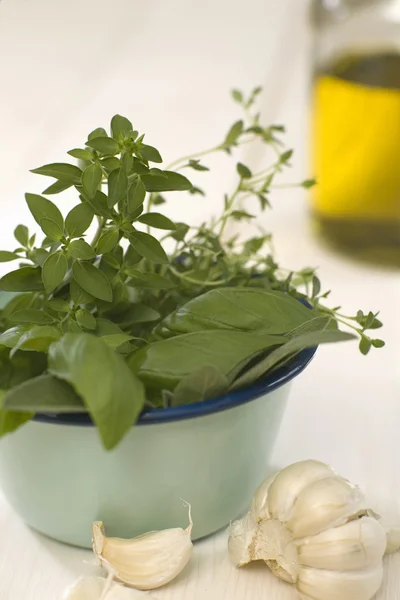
pixel 99 231
pixel 195 281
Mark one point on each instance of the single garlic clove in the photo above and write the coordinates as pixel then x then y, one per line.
pixel 357 545
pixel 328 502
pixel 317 584
pixel 146 562
pixel 290 483
pixel 93 588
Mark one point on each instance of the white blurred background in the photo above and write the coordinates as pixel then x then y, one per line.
pixel 169 65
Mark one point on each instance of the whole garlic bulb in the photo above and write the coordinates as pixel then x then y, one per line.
pixel 312 528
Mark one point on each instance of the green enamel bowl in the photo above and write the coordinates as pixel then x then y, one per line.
pixel 56 475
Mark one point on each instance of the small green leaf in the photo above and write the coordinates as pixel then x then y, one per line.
pixel 172 182
pixel 149 280
pixel 6 256
pixel 54 270
pixel 150 154
pixel 205 383
pixel 243 171
pixel 99 203
pixel 41 208
pixel 59 305
pixel 158 199
pixel 196 165
pixel 43 394
pixel 111 163
pixel 91 179
pixel 104 145
pixel 63 171
pixel 365 345
pixel 37 338
pixel 107 242
pixel 180 232
pixel 378 343
pixel 308 183
pixel 136 313
pixel 51 229
pixel 80 154
pixel 238 215
pixel 117 186
pixel 25 279
pixel 136 195
pixel 31 315
pixel 286 156
pixel 316 286
pixel 11 336
pixel 81 249
pixel 113 395
pixel 21 234
pixel 92 280
pixel 116 340
pixel 57 187
pixel 237 96
pixel 79 219
pixel 157 220
pixel 99 132
pixel 234 133
pixel 148 247
pixel 120 127
pixel 86 319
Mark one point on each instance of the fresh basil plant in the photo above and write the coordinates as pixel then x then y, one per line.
pixel 147 312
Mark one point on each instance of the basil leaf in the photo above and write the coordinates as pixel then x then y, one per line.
pixel 170 182
pixel 21 234
pixel 234 133
pixel 6 256
pixel 25 279
pixel 120 127
pixel 203 384
pixel 99 132
pixel 137 313
pixel 136 195
pixel 104 145
pixel 11 421
pixel 86 319
pixel 243 171
pixel 41 209
pixel 31 315
pixel 245 309
pixel 37 338
pixel 107 241
pixel 116 340
pixel 157 220
pixel 64 171
pixel 148 247
pixel 57 187
pixel 92 280
pixel 81 249
pixel 78 295
pixel 79 219
pixel 51 229
pixel 117 186
pixel 164 364
pixel 111 163
pixel 43 394
pixel 11 337
pixel 285 352
pixel 150 154
pixel 91 179
pixel 54 269
pixel 112 394
pixel 59 305
pixel 80 154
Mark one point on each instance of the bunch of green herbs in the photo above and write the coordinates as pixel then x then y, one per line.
pixel 116 324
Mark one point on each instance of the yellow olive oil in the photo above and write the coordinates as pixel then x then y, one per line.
pixel 356 155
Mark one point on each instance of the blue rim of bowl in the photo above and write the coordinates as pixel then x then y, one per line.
pixel 200 409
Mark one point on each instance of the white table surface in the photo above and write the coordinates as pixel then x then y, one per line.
pixel 65 68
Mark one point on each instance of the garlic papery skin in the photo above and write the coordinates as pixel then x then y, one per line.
pixel 146 562
pixel 313 529
pixel 97 588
